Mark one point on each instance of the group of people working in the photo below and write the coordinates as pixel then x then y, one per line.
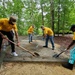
pixel 6 26
pixel 47 33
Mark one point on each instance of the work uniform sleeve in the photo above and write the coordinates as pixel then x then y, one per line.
pixel 30 30
pixel 45 32
pixel 74 36
pixel 1 23
pixel 15 28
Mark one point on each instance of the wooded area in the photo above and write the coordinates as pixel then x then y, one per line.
pixel 57 14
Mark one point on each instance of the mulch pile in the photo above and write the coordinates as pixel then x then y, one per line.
pixel 63 41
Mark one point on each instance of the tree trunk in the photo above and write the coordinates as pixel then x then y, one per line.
pixel 58 16
pixel 63 23
pixel 52 14
pixel 42 14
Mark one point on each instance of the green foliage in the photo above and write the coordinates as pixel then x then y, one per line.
pixel 29 12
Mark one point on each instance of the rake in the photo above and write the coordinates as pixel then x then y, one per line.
pixel 57 55
pixel 34 54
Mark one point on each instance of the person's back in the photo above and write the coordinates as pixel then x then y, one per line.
pixel 6 26
pixel 48 31
pixel 3 23
pixel 30 30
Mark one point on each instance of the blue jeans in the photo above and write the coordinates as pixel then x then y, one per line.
pixel 30 38
pixel 51 38
pixel 72 56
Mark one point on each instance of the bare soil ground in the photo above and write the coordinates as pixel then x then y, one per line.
pixel 20 68
pixel 17 68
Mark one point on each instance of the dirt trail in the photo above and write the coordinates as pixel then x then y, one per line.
pixel 18 68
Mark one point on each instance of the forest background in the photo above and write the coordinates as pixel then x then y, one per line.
pixel 56 14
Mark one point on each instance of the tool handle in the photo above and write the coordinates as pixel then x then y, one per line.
pixel 62 52
pixel 21 47
pixel 17 45
pixel 26 50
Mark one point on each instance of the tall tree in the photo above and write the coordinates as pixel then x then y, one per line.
pixel 42 12
pixel 58 16
pixel 52 13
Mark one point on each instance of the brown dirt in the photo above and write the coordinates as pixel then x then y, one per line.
pixel 20 68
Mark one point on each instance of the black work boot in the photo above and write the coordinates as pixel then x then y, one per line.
pixel 68 66
pixel 0 52
pixel 45 46
pixel 52 48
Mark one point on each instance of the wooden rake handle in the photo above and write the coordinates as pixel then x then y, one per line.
pixel 27 50
pixel 34 54
pixel 21 47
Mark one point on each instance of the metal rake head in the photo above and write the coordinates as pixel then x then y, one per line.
pixel 55 55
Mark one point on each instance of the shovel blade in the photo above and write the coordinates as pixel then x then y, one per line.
pixel 36 54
